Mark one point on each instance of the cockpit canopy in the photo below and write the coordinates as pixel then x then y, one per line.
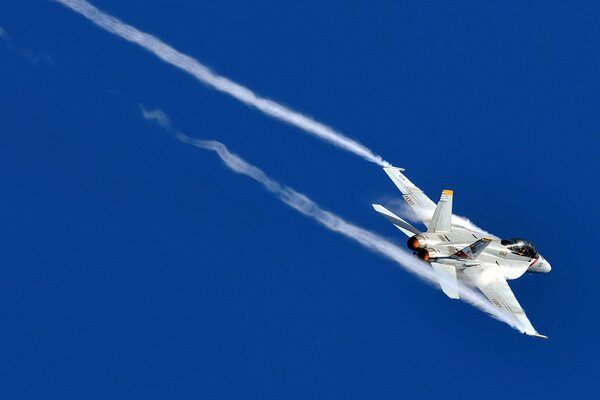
pixel 522 247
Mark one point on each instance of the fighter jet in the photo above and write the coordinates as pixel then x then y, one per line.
pixel 458 252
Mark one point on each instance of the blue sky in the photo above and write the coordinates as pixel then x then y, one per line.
pixel 133 266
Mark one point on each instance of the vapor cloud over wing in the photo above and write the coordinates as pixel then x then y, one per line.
pixel 404 210
pixel 329 220
pixel 217 82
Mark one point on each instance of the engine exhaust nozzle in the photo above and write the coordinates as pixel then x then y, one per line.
pixel 425 255
pixel 416 242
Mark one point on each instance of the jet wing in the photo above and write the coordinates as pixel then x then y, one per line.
pixel 493 285
pixel 421 205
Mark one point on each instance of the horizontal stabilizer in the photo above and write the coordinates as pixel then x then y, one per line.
pixel 398 222
pixel 446 275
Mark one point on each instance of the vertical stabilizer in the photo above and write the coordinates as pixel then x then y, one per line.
pixel 442 217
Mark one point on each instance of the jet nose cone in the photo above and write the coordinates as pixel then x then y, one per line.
pixel 546 267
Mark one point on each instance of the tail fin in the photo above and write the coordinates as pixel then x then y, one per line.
pixel 442 217
pixel 473 250
pixel 398 222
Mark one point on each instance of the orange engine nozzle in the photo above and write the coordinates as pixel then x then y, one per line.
pixel 413 243
pixel 424 255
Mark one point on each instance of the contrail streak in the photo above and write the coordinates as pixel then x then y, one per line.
pixel 311 209
pixel 217 82
pixel 6 39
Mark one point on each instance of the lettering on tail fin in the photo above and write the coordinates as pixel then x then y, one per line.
pixel 473 250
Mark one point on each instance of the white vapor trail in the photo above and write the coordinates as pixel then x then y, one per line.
pixel 6 39
pixel 309 208
pixel 205 75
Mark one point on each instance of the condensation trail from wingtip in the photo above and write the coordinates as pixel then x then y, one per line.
pixel 331 221
pixel 202 73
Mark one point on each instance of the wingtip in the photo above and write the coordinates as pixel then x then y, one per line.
pixel 390 166
pixel 537 335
